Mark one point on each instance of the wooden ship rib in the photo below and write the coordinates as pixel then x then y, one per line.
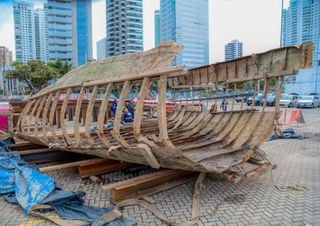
pixel 185 133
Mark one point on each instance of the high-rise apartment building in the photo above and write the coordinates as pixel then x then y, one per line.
pixel 300 24
pixel 59 30
pixel 69 34
pixel 81 32
pixel 186 22
pixel 124 20
pixel 23 15
pixel 101 49
pixel 156 28
pixel 233 50
pixel 40 34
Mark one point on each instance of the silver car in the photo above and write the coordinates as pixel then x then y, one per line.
pixel 287 100
pixel 308 102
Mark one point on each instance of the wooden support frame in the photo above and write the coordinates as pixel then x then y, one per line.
pixel 102 115
pixel 117 119
pixel 162 112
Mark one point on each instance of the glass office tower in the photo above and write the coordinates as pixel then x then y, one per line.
pixel 82 32
pixel 186 22
pixel 69 31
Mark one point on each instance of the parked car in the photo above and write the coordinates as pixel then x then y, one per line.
pixel 271 100
pixel 314 94
pixel 308 101
pixel 258 101
pixel 245 96
pixel 294 94
pixel 288 100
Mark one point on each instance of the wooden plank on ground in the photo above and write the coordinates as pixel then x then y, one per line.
pixel 72 164
pixel 25 146
pixel 149 184
pixel 102 167
pixel 36 151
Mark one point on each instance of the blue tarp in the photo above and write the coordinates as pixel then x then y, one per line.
pixel 24 185
pixel 29 185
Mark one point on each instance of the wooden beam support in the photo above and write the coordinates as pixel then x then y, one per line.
pixel 163 127
pixel 117 118
pixel 36 151
pixel 103 113
pixel 102 167
pixel 72 164
pixel 63 114
pixel 149 184
pixel 25 146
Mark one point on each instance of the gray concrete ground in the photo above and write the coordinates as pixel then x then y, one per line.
pixel 289 195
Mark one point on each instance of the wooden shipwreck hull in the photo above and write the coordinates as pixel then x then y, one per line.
pixel 196 135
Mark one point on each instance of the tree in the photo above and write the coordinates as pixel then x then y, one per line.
pixel 35 74
pixel 63 67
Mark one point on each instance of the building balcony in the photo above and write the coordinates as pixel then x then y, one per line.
pixel 60 12
pixel 59 4
pixel 67 34
pixel 63 56
pixel 65 27
pixel 61 41
pixel 60 48
pixel 60 19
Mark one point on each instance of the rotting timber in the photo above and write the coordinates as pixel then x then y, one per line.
pixel 196 135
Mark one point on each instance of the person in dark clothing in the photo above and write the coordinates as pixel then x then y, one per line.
pixel 224 105
pixel 130 105
pixel 129 112
pixel 114 105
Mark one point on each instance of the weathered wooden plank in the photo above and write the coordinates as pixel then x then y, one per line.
pixel 143 185
pixel 102 115
pixel 117 119
pixel 144 90
pixel 76 118
pixel 102 167
pixel 72 164
pixel 45 116
pixel 162 112
pixel 36 151
pixel 63 116
pixel 89 114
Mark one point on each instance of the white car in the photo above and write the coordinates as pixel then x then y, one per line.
pixel 287 100
pixel 308 102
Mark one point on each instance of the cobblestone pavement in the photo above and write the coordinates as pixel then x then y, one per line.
pixel 268 200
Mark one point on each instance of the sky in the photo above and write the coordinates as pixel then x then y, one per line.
pixel 256 23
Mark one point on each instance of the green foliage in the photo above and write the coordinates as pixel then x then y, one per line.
pixel 62 67
pixel 35 74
